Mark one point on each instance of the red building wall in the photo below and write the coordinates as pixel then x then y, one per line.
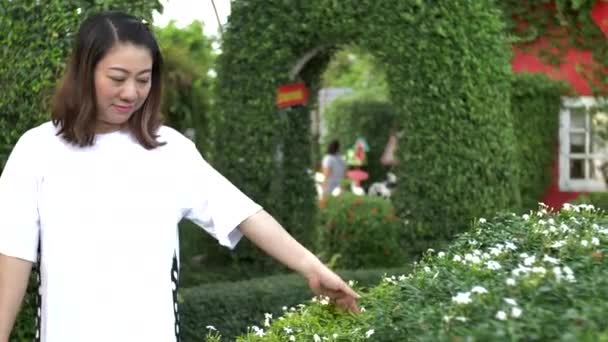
pixel 527 60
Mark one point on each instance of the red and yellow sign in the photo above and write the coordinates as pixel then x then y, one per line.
pixel 292 95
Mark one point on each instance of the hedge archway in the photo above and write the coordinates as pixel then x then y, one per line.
pixel 447 65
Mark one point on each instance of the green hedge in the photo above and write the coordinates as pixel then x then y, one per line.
pixel 448 79
pixel 360 232
pixel 536 277
pixel 535 105
pixel 362 115
pixel 232 307
pixel 597 199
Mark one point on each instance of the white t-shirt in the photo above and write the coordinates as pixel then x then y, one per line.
pixel 337 166
pixel 106 217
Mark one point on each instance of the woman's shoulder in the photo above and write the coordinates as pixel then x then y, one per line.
pixel 171 135
pixel 39 135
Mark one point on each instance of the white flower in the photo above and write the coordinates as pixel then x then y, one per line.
pixel 317 338
pixel 335 335
pixel 585 243
pixel 540 270
pixel 402 277
pixel 510 301
pixel 292 338
pixel 457 258
pixel 529 260
pixel 446 319
pixel 268 316
pixel 258 331
pixel 441 254
pixel 524 255
pixel 550 260
pixel 515 312
pixel 284 308
pixel 460 318
pixel 501 315
pixel 430 250
pixel 558 244
pixel 564 228
pixel 362 309
pixel 493 265
pixel 567 206
pixel 324 301
pixel 351 283
pixel 479 290
pixel 526 217
pixel 427 269
pixel 211 327
pixel 288 330
pixel 477 252
pixel 482 220
pixel 472 258
pixel 510 281
pixel 462 298
pixel 495 251
pixel 551 221
pixel 595 241
pixel 510 245
pixel 558 273
pixel 552 229
pixel 542 222
pixel 369 333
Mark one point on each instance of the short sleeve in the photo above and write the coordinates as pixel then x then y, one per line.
pixel 19 219
pixel 213 202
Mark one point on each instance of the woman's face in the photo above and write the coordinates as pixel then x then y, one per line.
pixel 123 78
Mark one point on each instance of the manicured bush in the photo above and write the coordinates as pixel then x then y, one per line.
pixel 361 232
pixel 232 307
pixel 537 277
pixel 535 104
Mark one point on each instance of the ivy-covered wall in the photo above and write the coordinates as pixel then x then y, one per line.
pixel 566 36
pixel 448 72
pixel 535 105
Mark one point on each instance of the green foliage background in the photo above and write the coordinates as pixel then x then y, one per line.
pixel 189 57
pixel 449 81
pixel 535 105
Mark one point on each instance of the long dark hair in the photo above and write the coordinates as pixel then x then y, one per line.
pixel 74 108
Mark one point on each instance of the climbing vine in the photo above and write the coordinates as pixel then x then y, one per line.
pixel 560 25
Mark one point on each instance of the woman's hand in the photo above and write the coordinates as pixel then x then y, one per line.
pixel 324 282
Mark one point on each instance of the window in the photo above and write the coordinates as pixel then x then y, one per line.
pixel 583 137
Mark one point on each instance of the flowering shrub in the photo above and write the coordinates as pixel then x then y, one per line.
pixel 363 231
pixel 540 277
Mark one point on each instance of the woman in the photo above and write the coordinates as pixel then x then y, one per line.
pixel 334 168
pixel 95 196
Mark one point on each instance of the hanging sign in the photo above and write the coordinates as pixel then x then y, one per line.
pixel 290 95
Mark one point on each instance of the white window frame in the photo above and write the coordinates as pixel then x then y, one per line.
pixel 565 181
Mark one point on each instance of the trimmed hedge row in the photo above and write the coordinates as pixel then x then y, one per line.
pixel 540 276
pixel 232 307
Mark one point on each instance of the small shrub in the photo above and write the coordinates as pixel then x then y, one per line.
pixel 537 277
pixel 363 232
pixel 231 307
